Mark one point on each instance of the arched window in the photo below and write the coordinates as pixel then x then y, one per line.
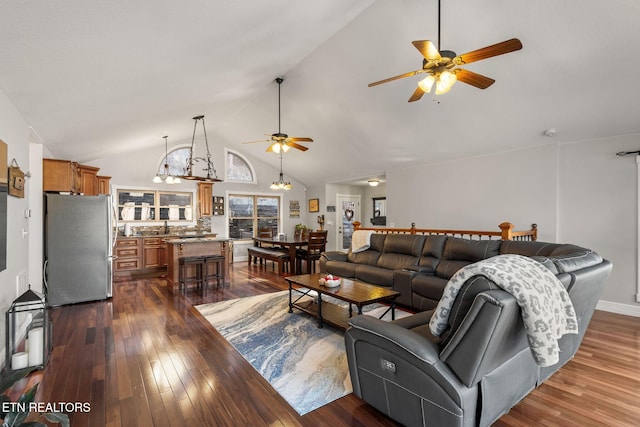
pixel 238 168
pixel 177 160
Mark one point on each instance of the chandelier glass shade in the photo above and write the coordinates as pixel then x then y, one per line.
pixel 212 176
pixel 165 176
pixel 281 184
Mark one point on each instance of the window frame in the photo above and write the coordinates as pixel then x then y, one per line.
pixel 228 151
pixel 255 217
pixel 156 204
pixel 161 162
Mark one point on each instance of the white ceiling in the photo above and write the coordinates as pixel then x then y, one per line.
pixel 100 78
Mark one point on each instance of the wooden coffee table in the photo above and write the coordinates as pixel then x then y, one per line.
pixel 353 292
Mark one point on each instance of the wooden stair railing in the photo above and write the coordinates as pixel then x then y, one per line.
pixel 506 232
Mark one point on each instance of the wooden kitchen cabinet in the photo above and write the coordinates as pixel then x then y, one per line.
pixel 205 198
pixel 60 176
pixel 88 180
pixel 69 176
pixel 154 253
pixel 128 255
pixel 104 184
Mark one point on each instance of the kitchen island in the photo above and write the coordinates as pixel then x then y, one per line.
pixel 179 247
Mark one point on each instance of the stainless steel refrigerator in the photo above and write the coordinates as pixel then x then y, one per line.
pixel 78 248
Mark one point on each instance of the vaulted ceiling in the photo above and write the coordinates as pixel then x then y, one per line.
pixel 100 78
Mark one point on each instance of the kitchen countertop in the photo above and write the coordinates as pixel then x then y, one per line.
pixel 194 239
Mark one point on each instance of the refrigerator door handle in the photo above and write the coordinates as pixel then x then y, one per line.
pixel 44 276
pixel 115 222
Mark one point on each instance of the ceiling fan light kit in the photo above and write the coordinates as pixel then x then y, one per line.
pixel 441 66
pixel 281 142
pixel 276 147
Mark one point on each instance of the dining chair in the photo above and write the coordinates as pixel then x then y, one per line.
pixel 317 245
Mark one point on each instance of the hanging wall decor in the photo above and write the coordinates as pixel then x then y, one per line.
pixel 16 180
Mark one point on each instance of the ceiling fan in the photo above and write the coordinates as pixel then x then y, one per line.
pixel 440 66
pixel 281 141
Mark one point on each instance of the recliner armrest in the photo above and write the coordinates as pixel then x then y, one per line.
pixel 334 256
pixel 419 346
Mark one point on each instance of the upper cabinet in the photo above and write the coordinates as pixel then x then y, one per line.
pixel 68 176
pixel 60 175
pixel 205 198
pixel 88 180
pixel 104 184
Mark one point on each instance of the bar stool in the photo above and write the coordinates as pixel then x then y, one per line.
pixel 218 261
pixel 199 265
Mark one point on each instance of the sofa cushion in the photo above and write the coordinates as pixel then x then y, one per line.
pixel 406 244
pixel 341 268
pixel 565 257
pixel 526 248
pixel 432 251
pixel 459 253
pixel 392 261
pixel 400 250
pixel 368 257
pixel 569 258
pixel 429 287
pixel 374 275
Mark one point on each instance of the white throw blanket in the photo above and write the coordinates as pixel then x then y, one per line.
pixel 361 240
pixel 546 308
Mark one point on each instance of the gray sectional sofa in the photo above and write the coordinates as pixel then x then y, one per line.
pixel 482 365
pixel 417 266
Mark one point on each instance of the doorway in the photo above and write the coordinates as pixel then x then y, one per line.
pixel 347 211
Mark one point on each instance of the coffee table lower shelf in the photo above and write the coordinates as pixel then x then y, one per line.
pixel 331 314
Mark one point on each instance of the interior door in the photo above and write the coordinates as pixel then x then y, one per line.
pixel 347 211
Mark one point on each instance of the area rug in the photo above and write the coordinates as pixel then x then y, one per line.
pixel 306 365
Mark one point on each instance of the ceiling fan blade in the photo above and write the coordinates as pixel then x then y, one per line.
pixel 253 142
pixel 489 51
pixel 474 79
pixel 298 146
pixel 401 76
pixel 300 139
pixel 427 49
pixel 417 94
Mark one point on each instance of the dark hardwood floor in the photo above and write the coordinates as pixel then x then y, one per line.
pixel 147 358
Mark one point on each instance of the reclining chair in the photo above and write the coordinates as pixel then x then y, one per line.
pixel 480 367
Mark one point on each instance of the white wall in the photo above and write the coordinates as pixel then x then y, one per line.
pixel 598 210
pixel 15 132
pixel 579 193
pixel 478 193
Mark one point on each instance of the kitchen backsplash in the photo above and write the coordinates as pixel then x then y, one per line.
pixel 203 226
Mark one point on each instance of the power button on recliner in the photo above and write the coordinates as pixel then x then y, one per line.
pixel 389 366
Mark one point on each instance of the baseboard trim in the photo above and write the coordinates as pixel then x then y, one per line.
pixel 616 307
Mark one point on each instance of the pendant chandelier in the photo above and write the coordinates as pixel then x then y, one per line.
pixel 281 184
pixel 212 176
pixel 165 176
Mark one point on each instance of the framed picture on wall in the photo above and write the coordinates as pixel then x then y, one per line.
pixel 314 205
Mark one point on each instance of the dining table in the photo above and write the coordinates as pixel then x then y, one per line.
pixel 291 244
